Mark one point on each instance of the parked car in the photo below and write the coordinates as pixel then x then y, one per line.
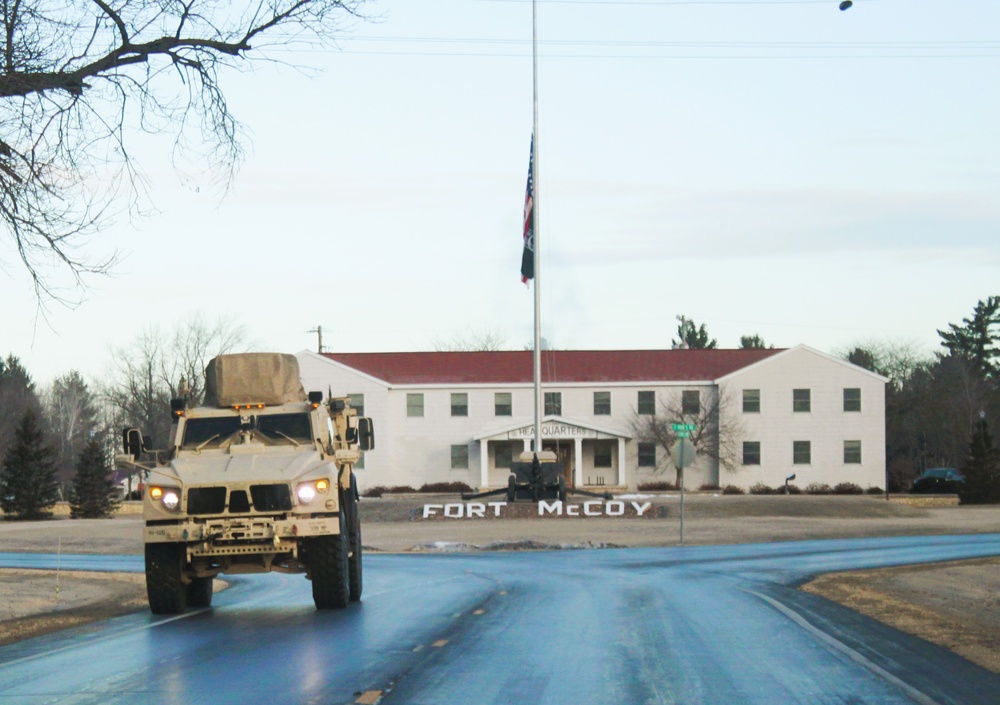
pixel 938 481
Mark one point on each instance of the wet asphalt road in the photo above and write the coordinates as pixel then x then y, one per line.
pixel 715 624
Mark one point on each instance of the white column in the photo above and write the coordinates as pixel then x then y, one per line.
pixel 621 462
pixel 484 464
pixel 578 462
pixel 527 446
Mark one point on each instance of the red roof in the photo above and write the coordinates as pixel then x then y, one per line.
pixel 515 366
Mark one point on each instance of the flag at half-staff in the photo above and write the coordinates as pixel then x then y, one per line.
pixel 528 256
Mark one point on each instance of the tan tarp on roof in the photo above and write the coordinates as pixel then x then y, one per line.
pixel 253 378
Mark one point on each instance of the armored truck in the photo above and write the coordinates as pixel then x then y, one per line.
pixel 258 478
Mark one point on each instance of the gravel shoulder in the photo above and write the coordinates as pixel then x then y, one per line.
pixel 954 604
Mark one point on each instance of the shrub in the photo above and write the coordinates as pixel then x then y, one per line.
pixel 761 488
pixel 733 489
pixel 445 487
pixel 657 486
pixel 874 490
pixel 793 489
pixel 818 488
pixel 380 490
pixel 709 487
pixel 848 488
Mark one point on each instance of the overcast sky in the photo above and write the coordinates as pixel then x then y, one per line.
pixel 776 168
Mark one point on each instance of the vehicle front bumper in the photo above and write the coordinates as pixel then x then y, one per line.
pixel 243 535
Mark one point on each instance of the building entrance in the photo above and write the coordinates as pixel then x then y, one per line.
pixel 564 454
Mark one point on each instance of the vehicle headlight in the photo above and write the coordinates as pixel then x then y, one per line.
pixel 307 491
pixel 169 497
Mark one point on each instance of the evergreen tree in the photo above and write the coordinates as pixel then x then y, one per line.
pixel 693 337
pixel 28 483
pixel 17 393
pixel 94 494
pixel 976 339
pixel 981 469
pixel 753 342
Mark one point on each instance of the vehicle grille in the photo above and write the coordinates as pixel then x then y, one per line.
pixel 271 498
pixel 265 498
pixel 206 500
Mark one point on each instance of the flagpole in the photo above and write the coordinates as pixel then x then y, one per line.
pixel 536 223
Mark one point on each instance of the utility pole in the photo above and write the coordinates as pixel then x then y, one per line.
pixel 318 330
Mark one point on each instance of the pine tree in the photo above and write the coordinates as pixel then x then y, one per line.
pixel 29 486
pixel 976 339
pixel 981 469
pixel 94 494
pixel 692 337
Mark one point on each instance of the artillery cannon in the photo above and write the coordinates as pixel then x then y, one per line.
pixel 540 478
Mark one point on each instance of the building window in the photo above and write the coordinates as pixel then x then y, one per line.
pixel 503 455
pixel 801 452
pixel 414 404
pixel 358 403
pixel 553 403
pixel 602 403
pixel 691 402
pixel 647 455
pixel 852 452
pixel 602 454
pixel 647 403
pixel 852 399
pixel 801 400
pixel 459 404
pixel 751 452
pixel 460 457
pixel 502 404
pixel 751 401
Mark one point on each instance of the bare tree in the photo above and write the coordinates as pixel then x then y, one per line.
pixel 473 340
pixel 716 436
pixel 77 78
pixel 157 367
pixel 72 416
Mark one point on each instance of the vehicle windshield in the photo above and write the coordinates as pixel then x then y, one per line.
pixel 220 431
pixel 209 432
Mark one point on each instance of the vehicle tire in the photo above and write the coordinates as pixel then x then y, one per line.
pixel 511 489
pixel 199 592
pixel 327 559
pixel 354 571
pixel 165 578
pixel 562 490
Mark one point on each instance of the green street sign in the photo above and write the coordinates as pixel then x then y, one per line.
pixel 683 434
pixel 683 426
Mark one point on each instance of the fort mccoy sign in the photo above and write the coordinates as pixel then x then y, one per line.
pixel 543 509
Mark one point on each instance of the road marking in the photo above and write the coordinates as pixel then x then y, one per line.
pixel 369 697
pixel 439 643
pixel 843 648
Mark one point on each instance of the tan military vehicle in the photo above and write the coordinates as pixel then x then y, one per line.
pixel 258 479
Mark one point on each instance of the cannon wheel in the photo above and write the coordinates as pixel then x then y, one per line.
pixel 511 488
pixel 562 490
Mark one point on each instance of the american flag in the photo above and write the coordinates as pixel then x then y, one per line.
pixel 528 256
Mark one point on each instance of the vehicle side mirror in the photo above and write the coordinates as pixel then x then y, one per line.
pixel 132 442
pixel 366 433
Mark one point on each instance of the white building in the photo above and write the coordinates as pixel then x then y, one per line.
pixel 464 416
